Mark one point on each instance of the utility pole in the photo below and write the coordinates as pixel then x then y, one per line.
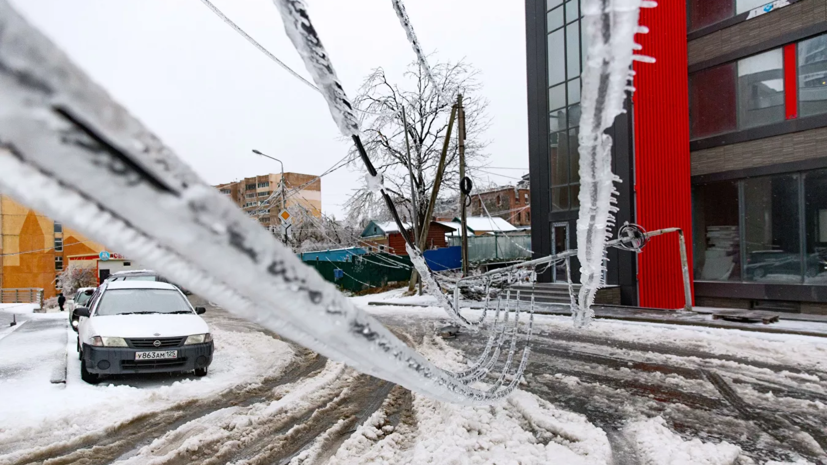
pixel 423 234
pixel 462 193
pixel 281 182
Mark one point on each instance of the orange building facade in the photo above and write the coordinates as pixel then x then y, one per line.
pixel 34 249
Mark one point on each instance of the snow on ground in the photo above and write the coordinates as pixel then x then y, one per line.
pixel 657 445
pixel 36 412
pixel 19 308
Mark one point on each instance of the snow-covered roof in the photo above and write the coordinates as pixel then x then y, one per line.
pixel 456 227
pixel 376 228
pixel 135 284
pixel 483 223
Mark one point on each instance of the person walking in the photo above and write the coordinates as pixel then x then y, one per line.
pixel 60 301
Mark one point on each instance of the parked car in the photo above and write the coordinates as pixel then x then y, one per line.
pixel 81 299
pixel 142 275
pixel 136 326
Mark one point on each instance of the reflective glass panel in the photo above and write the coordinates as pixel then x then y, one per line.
pixel 815 219
pixel 554 19
pixel 703 13
pixel 717 242
pixel 557 97
pixel 557 120
pixel 572 51
pixel 574 115
pixel 572 11
pixel 812 76
pixel 742 6
pixel 560 198
pixel 558 148
pixel 712 101
pixel 574 91
pixel 761 89
pixel 772 243
pixel 575 192
pixel 574 155
pixel 556 57
pixel 553 3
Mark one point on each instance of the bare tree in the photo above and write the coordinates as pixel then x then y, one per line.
pixel 426 112
pixel 76 277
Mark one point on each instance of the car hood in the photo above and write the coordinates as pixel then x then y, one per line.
pixel 152 325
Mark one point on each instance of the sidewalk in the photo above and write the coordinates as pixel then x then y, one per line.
pixel 34 351
pixel 790 323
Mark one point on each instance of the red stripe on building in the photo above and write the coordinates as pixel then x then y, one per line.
pixel 790 81
pixel 662 165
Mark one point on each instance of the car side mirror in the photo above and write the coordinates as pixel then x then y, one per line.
pixel 82 311
pixel 200 310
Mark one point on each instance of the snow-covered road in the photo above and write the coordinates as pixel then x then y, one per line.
pixel 615 393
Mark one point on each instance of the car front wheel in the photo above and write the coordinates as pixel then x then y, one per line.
pixel 91 378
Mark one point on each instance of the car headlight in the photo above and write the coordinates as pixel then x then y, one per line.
pixel 198 339
pixel 97 341
pixel 114 342
pixel 75 323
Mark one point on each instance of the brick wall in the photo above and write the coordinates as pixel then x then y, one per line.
pixel 755 31
pixel 797 146
pixel 511 208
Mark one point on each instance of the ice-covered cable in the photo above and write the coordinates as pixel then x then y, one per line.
pixel 405 20
pixel 610 28
pixel 68 150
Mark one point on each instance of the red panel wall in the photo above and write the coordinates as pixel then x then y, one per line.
pixel 662 168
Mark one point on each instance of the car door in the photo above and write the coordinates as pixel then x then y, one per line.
pixel 83 322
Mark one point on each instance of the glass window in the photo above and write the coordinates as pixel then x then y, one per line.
pixel 575 192
pixel 560 198
pixel 572 11
pixel 815 220
pixel 703 13
pixel 742 6
pixel 574 115
pixel 574 91
pixel 812 76
pixel 572 51
pixel 559 159
pixel 761 89
pixel 557 97
pixel 713 105
pixel 58 227
pixel 557 120
pixel 552 3
pixel 58 263
pixel 717 243
pixel 135 301
pixel 556 57
pixel 554 19
pixel 772 244
pixel 58 244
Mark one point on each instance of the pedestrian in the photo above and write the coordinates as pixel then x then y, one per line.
pixel 60 301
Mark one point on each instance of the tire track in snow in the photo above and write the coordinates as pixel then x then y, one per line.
pixel 103 447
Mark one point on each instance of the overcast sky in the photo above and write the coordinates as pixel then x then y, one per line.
pixel 213 97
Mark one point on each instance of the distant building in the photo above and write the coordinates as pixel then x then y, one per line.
pixel 511 203
pixel 34 249
pixel 249 194
pixel 386 237
pixel 481 225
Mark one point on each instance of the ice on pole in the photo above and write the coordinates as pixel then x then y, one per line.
pixel 610 28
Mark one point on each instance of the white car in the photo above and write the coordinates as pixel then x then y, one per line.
pixel 141 327
pixel 81 299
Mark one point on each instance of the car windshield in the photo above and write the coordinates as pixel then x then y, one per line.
pixel 134 278
pixel 82 298
pixel 139 301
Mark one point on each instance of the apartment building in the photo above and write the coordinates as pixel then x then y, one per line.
pixel 301 190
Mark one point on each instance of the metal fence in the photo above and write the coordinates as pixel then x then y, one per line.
pixel 30 295
pixel 497 248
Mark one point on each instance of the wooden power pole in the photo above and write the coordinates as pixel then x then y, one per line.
pixel 462 194
pixel 423 232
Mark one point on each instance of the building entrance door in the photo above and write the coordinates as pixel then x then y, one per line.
pixel 559 243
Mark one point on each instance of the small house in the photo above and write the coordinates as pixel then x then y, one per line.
pixel 387 237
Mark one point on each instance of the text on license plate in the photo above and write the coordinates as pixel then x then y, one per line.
pixel 156 355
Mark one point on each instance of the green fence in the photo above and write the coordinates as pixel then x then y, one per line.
pixel 364 271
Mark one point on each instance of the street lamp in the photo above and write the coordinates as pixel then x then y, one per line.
pixel 281 181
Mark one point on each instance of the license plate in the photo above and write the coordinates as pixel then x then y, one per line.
pixel 156 355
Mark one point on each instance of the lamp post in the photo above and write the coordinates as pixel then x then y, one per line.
pixel 281 181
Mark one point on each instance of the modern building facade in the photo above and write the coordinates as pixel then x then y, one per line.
pixel 725 137
pixel 301 190
pixel 34 249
